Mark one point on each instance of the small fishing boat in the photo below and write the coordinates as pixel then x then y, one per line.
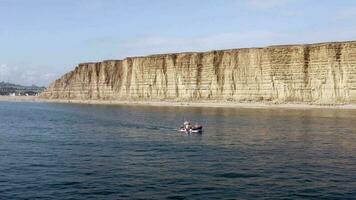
pixel 188 128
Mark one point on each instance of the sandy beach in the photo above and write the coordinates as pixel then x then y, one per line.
pixel 211 104
pixel 19 98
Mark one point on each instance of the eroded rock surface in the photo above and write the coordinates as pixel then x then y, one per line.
pixel 318 73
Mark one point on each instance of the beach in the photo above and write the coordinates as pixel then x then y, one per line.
pixel 211 104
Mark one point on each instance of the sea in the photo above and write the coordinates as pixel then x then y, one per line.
pixel 73 151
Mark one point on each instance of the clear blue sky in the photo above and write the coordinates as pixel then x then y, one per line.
pixel 42 39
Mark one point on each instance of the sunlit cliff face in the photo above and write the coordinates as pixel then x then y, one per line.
pixel 318 73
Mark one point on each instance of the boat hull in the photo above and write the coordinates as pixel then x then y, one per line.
pixel 191 131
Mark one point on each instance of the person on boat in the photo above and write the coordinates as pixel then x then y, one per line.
pixel 187 126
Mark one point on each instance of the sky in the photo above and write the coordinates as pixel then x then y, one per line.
pixel 40 40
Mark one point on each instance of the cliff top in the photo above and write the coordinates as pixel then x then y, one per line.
pixel 222 50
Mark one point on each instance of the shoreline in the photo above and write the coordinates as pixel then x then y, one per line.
pixel 211 104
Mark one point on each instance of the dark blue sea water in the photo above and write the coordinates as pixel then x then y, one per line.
pixel 63 151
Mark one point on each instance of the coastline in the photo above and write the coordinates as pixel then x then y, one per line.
pixel 19 98
pixel 211 104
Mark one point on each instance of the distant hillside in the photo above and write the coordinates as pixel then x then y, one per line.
pixel 9 88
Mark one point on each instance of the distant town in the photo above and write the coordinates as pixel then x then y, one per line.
pixel 9 89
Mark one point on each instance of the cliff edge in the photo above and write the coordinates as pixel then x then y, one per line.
pixel 322 73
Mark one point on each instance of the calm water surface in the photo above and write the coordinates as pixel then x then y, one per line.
pixel 59 151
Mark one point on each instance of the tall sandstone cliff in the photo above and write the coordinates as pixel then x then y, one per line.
pixel 317 73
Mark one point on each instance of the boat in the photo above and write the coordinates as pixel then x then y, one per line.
pixel 188 128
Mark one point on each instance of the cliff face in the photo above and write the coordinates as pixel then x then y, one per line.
pixel 317 73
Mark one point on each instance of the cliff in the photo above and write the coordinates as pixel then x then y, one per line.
pixel 322 73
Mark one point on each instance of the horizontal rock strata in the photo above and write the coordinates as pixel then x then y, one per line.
pixel 316 73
